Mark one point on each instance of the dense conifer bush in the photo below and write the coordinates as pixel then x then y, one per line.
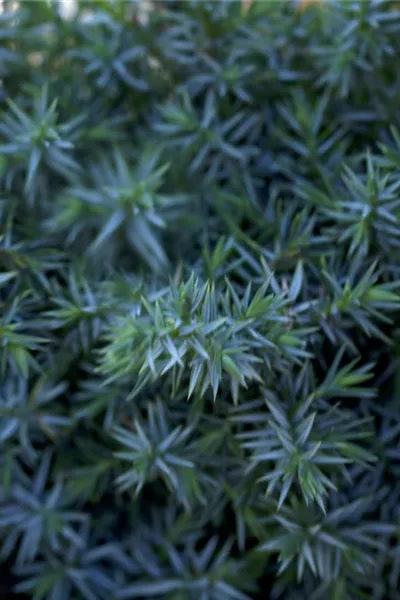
pixel 200 301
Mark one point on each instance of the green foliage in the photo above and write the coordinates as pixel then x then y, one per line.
pixel 200 295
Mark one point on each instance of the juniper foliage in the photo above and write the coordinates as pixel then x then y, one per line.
pixel 200 296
